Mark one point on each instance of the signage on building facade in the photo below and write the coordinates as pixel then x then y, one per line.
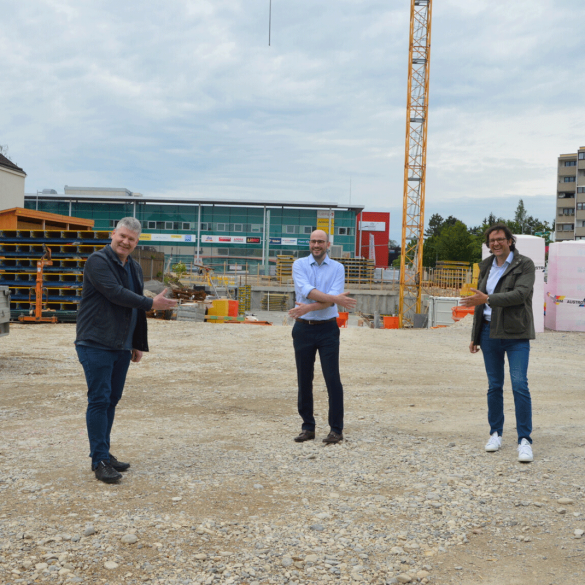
pixel 326 220
pixel 252 240
pixel 209 239
pixel 373 226
pixel 168 238
pixel 275 241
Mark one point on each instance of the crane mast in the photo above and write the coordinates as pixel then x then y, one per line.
pixel 415 159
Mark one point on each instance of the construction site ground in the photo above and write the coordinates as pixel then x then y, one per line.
pixel 219 492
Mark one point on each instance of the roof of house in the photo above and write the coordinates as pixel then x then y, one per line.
pixel 4 162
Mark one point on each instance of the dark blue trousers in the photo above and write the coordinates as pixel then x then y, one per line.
pixel 105 373
pixel 307 340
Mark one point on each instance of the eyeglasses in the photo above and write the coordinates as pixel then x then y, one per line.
pixel 317 241
pixel 498 240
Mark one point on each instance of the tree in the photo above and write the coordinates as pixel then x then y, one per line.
pixel 434 235
pixel 455 243
pixel 520 216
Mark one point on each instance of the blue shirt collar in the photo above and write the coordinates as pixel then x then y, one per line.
pixel 325 260
pixel 508 261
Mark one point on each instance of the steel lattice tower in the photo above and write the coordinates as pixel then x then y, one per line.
pixel 415 159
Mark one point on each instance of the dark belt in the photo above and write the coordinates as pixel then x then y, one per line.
pixel 314 322
pixel 485 321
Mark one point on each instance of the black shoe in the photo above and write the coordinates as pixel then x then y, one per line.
pixel 333 438
pixel 106 473
pixel 305 436
pixel 118 465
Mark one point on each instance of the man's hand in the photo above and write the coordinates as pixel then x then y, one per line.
pixel 300 309
pixel 473 348
pixel 161 302
pixel 345 301
pixel 136 355
pixel 478 298
pixel 304 308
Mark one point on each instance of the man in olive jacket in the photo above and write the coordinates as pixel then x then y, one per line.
pixel 503 324
pixel 111 332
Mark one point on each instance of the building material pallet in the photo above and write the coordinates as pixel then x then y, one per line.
pixel 358 270
pixel 20 251
pixel 244 298
pixel 275 302
pixel 284 267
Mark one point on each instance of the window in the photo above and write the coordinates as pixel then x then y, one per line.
pixel 567 195
pixel 568 211
pixel 160 225
pixel 238 227
pixel 186 225
pixel 308 229
pixel 152 225
pixel 257 228
pixel 342 231
pixel 567 227
pixel 580 206
pixel 582 156
pixel 568 179
pixel 290 229
pixel 580 189
pixel 570 163
pixel 113 223
pixel 168 225
pixel 205 227
pixel 580 237
pixel 220 227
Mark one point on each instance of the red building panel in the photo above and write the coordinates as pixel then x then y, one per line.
pixel 377 224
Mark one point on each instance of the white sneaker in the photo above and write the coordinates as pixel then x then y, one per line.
pixel 525 451
pixel 494 443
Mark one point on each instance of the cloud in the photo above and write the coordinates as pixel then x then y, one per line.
pixel 187 99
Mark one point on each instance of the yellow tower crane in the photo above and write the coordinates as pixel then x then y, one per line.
pixel 415 161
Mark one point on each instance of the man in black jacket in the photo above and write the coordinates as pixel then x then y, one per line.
pixel 111 332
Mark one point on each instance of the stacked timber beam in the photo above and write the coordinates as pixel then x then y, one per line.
pixel 358 270
pixel 275 302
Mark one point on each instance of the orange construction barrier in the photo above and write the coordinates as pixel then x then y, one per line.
pixel 457 313
pixel 390 322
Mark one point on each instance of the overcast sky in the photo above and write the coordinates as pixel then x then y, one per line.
pixel 180 98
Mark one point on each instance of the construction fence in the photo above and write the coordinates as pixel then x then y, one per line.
pixel 359 275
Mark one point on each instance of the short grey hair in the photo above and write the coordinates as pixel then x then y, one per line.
pixel 130 223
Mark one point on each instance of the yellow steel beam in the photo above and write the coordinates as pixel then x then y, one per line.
pixel 415 162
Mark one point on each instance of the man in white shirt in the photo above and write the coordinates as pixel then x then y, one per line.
pixel 319 283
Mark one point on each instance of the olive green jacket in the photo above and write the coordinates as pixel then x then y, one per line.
pixel 511 301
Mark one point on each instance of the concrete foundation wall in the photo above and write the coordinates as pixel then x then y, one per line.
pixel 369 302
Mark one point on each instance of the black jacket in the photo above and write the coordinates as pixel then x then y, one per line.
pixel 107 302
pixel 511 301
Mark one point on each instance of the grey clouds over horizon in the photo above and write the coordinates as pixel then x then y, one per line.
pixel 187 99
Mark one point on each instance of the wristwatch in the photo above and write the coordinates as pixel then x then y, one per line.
pixel 487 301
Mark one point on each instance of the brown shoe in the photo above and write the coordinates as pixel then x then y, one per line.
pixel 305 436
pixel 333 438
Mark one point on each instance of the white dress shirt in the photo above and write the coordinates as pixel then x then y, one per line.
pixel 496 273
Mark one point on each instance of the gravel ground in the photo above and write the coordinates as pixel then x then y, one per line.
pixel 218 491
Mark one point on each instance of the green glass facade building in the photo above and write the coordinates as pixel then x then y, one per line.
pixel 216 233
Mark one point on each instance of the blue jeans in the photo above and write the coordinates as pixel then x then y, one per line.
pixel 518 351
pixel 307 340
pixel 105 373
